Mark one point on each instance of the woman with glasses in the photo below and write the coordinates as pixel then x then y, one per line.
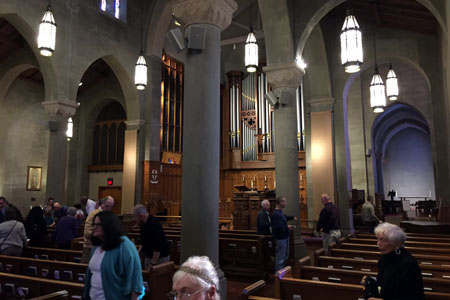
pixel 196 279
pixel 114 271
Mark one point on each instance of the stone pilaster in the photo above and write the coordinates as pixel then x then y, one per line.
pixel 285 79
pixel 58 113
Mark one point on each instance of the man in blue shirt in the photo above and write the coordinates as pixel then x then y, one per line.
pixel 280 232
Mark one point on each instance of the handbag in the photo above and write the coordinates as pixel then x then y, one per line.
pixel 371 288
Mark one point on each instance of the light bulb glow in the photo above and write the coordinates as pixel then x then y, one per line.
pixel 351 45
pixel 140 73
pixel 47 33
pixel 392 85
pixel 251 53
pixel 377 93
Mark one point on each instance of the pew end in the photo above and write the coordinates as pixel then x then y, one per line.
pixel 305 261
pixel 252 289
pixel 61 295
pixel 317 253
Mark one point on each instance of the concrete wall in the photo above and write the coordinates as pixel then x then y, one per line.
pixel 24 135
pixel 407 165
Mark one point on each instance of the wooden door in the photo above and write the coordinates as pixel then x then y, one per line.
pixel 116 193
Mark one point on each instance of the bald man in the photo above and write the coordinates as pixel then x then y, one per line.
pixel 329 222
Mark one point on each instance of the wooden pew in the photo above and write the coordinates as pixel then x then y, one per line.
pixel 409 237
pixel 423 244
pixel 61 295
pixel 412 250
pixel 422 259
pixel 354 277
pixel 253 289
pixel 52 254
pixel 35 287
pixel 366 265
pixel 287 287
pixel 158 279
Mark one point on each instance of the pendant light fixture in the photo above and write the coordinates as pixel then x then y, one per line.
pixel 140 70
pixel 69 132
pixel 251 47
pixel 391 84
pixel 47 33
pixel 351 44
pixel 377 89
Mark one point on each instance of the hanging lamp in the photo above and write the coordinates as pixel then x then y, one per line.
pixel 351 44
pixel 251 47
pixel 140 70
pixel 47 33
pixel 69 132
pixel 391 84
pixel 377 89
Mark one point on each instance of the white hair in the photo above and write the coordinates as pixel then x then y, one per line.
pixel 200 270
pixel 140 210
pixel 393 233
pixel 264 202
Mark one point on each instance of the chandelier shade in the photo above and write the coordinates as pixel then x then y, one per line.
pixel 251 52
pixel 377 93
pixel 47 33
pixel 351 44
pixel 69 132
pixel 140 72
pixel 392 85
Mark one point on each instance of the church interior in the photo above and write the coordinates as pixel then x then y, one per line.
pixel 200 109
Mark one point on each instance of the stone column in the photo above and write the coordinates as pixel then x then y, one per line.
pixel 58 113
pixel 201 128
pixel 131 165
pixel 285 79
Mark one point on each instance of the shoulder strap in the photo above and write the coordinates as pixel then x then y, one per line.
pixel 8 234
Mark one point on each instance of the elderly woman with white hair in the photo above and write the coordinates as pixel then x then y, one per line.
pixel 399 275
pixel 196 279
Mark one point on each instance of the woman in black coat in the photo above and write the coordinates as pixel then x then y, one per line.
pixel 399 276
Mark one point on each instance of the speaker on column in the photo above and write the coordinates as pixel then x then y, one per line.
pixel 176 38
pixel 196 37
pixel 271 98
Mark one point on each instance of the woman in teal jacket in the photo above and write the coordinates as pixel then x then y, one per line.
pixel 114 271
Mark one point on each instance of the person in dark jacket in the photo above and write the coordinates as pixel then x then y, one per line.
pixel 399 275
pixel 66 229
pixel 153 238
pixel 35 227
pixel 328 222
pixel 280 232
pixel 263 221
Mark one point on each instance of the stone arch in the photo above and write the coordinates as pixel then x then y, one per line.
pixel 277 31
pixel 128 88
pixel 17 63
pixel 45 64
pixel 397 118
pixel 326 7
pixel 158 22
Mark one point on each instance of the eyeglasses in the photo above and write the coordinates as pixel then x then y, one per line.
pixel 97 224
pixel 183 294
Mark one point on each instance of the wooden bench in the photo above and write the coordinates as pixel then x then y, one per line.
pixel 422 259
pixel 408 243
pixel 52 254
pixel 12 286
pixel 354 277
pixel 158 279
pixel 412 250
pixel 369 265
pixel 61 295
pixel 410 237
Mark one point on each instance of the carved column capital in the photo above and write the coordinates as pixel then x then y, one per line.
pixel 60 108
pixel 215 12
pixel 135 124
pixel 284 75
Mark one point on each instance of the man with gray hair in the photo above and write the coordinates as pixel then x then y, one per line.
pixel 66 229
pixel 106 203
pixel 153 238
pixel 263 222
pixel 328 222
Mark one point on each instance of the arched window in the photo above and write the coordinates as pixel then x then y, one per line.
pixel 109 137
pixel 116 8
